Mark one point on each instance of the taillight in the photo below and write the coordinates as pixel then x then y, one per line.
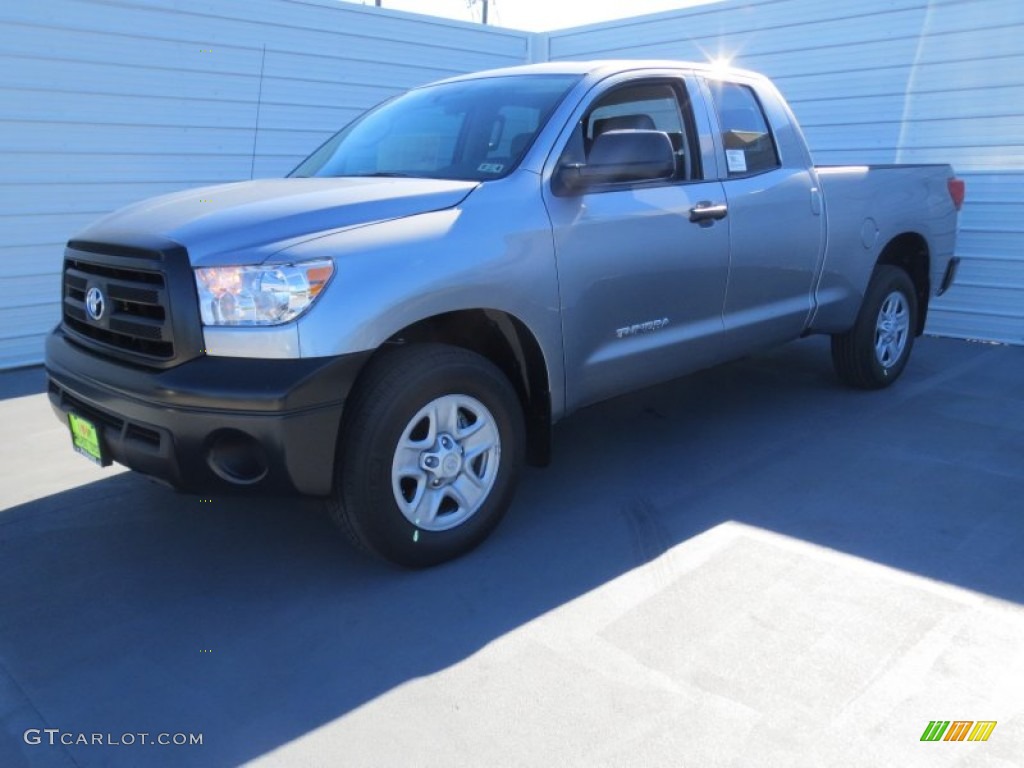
pixel 956 191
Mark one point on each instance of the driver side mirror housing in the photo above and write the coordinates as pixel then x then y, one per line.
pixel 621 156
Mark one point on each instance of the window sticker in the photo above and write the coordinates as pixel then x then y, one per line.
pixel 491 167
pixel 736 159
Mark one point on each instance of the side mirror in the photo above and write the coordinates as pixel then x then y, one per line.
pixel 622 156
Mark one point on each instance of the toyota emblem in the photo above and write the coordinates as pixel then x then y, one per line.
pixel 95 303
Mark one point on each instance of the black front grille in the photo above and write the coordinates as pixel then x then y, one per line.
pixel 150 315
pixel 134 317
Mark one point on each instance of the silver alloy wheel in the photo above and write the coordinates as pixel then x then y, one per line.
pixel 892 329
pixel 446 462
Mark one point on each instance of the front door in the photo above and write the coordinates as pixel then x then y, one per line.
pixel 642 286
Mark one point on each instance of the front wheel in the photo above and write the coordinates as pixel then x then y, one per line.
pixel 873 353
pixel 431 449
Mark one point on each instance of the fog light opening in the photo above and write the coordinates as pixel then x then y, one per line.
pixel 237 458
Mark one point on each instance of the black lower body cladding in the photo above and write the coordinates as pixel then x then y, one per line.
pixel 212 423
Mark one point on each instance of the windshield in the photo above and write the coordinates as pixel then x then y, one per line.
pixel 473 130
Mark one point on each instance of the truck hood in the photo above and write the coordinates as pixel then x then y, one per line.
pixel 248 222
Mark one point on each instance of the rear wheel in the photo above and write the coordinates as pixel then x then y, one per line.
pixel 873 353
pixel 431 449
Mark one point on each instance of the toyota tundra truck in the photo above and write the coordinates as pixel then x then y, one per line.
pixel 396 325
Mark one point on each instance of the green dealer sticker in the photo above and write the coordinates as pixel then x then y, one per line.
pixel 86 438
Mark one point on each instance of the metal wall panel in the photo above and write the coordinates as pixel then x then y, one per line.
pixel 105 102
pixel 883 81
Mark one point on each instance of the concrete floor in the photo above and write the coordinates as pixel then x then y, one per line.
pixel 750 567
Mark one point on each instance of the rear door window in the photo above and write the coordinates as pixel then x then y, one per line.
pixel 749 145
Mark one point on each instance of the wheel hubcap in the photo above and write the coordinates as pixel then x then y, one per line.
pixel 892 329
pixel 443 461
pixel 446 462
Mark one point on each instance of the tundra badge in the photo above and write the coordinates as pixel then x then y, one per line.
pixel 633 330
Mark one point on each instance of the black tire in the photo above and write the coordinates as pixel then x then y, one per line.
pixel 873 353
pixel 468 393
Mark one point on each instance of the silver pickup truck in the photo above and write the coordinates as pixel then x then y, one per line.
pixel 397 324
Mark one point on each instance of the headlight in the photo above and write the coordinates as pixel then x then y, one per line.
pixel 266 295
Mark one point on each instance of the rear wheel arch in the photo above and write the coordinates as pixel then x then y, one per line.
pixel 909 251
pixel 873 353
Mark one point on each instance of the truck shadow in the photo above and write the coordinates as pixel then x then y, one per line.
pixel 127 607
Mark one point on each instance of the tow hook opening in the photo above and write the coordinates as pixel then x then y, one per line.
pixel 237 458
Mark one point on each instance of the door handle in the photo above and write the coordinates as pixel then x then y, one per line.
pixel 705 212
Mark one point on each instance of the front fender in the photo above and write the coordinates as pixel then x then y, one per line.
pixel 494 251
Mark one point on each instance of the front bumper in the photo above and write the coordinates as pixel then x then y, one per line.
pixel 212 423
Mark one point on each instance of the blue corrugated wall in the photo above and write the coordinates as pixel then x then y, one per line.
pixel 103 103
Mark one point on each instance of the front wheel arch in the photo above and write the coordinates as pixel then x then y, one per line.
pixel 508 343
pixel 387 461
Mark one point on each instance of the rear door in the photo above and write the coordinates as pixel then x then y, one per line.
pixel 642 286
pixel 775 221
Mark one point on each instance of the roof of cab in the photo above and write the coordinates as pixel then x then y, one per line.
pixel 601 68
